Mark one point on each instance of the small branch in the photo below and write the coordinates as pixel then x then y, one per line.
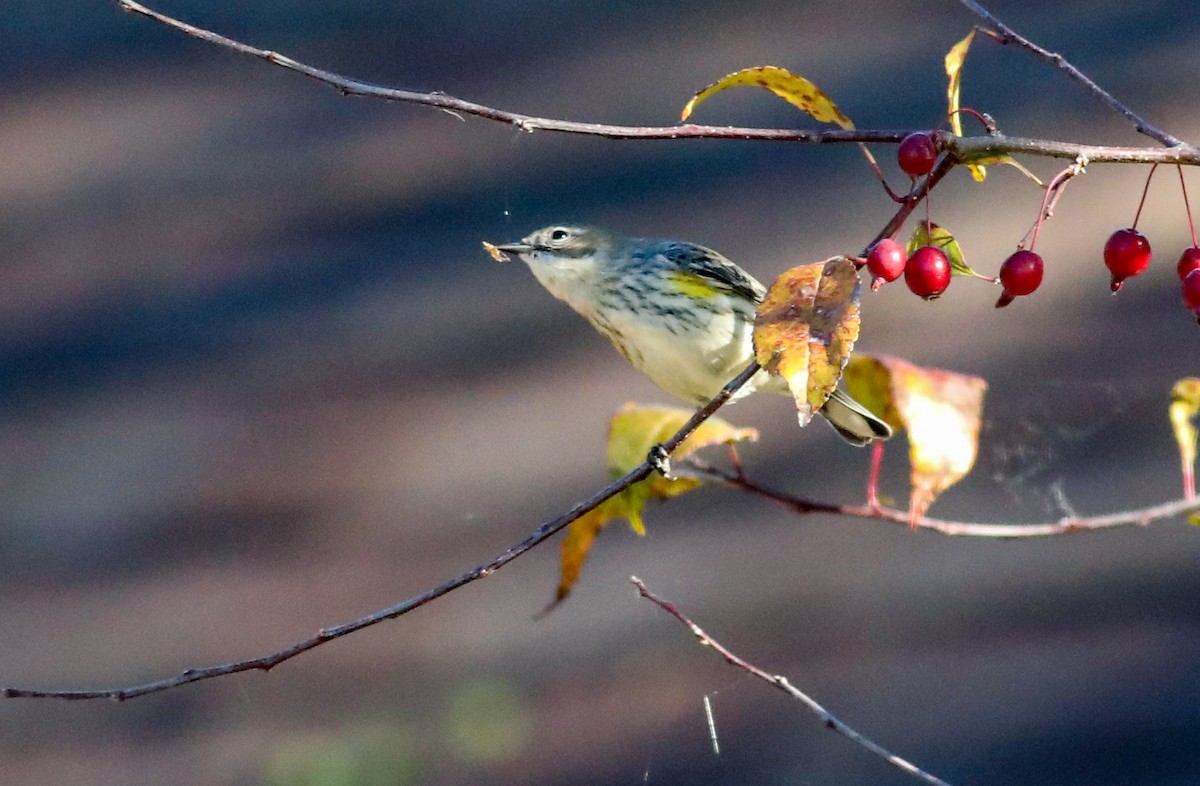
pixel 1054 192
pixel 354 87
pixel 970 148
pixel 326 635
pixel 781 682
pixel 963 148
pixel 909 203
pixel 1006 35
pixel 1066 525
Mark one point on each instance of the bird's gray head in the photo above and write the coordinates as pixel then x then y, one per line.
pixel 564 241
pixel 568 260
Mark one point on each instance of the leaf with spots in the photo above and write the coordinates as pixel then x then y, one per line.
pixel 796 90
pixel 806 328
pixel 632 433
pixel 941 411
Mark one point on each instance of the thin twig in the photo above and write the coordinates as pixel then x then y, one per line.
pixel 781 682
pixel 326 635
pixel 1006 35
pixel 1054 192
pixel 1068 524
pixel 964 148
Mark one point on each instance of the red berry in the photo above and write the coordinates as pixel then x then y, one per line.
pixel 927 272
pixel 1189 260
pixel 886 261
pixel 917 154
pixel 1021 274
pixel 1126 253
pixel 1191 292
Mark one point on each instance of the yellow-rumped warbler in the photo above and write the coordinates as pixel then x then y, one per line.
pixel 681 313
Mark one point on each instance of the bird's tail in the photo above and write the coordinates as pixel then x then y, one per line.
pixel 857 425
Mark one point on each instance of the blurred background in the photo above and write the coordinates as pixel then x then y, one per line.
pixel 258 377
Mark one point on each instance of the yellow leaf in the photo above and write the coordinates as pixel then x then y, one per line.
pixel 954 65
pixel 927 233
pixel 806 327
pixel 1185 405
pixel 1003 158
pixel 869 382
pixel 632 433
pixel 796 90
pixel 941 411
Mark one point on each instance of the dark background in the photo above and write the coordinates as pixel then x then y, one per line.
pixel 257 377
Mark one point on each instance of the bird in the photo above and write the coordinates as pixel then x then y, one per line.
pixel 682 314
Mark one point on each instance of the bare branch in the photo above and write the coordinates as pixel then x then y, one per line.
pixel 781 682
pixel 1006 35
pixel 964 148
pixel 542 533
pixel 1066 525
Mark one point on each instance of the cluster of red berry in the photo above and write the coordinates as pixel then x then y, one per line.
pixel 1127 253
pixel 927 270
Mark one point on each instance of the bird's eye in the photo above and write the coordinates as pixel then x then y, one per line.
pixel 559 235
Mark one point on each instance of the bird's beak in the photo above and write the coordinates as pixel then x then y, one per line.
pixel 515 248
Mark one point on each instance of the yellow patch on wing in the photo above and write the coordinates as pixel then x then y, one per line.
pixel 693 285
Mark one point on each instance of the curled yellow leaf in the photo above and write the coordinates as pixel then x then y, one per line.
pixel 941 410
pixel 954 64
pixel 1185 405
pixel 794 89
pixel 806 327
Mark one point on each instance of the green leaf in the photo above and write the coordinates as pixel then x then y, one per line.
pixel 927 233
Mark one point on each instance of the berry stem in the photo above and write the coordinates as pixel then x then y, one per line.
pixel 1145 190
pixel 1186 206
pixel 879 173
pixel 873 477
pixel 1050 199
pixel 986 121
pixel 1189 478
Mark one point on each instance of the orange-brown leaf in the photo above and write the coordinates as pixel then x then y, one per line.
pixel 806 327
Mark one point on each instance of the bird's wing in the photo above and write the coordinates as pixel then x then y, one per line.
pixel 715 268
